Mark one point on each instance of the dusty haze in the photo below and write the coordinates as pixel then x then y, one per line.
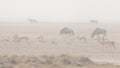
pixel 51 32
pixel 33 27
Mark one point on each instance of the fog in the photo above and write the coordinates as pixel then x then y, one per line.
pixel 54 28
pixel 59 11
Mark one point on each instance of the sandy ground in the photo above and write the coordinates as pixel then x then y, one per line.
pixel 54 44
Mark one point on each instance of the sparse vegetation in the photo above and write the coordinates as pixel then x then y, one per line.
pixel 62 61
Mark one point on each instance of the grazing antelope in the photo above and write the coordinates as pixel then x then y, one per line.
pixel 106 42
pixel 32 20
pixel 112 43
pixel 20 39
pixel 94 21
pixel 98 31
pixel 82 39
pixel 66 31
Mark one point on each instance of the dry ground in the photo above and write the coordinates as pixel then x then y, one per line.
pixel 61 61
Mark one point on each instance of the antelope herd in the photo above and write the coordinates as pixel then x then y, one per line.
pixel 99 34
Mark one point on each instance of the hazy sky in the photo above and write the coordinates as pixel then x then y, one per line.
pixel 60 10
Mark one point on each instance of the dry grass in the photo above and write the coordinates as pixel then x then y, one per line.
pixel 62 61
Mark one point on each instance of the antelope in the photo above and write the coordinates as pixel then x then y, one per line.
pixel 82 39
pixel 20 39
pixel 106 42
